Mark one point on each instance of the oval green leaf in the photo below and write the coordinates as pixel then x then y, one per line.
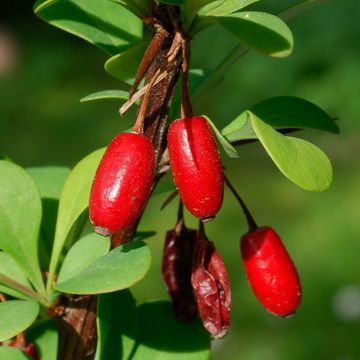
pixel 106 94
pixel 281 112
pixel 49 180
pixel 20 217
pixel 16 316
pixel 300 161
pixel 10 268
pixel 11 353
pixel 117 270
pixel 138 7
pixel 117 325
pixel 204 17
pixel 162 336
pixel 100 22
pixel 82 254
pixel 73 201
pixel 260 31
pixel 124 66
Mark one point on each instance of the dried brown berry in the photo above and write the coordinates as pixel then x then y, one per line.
pixel 211 288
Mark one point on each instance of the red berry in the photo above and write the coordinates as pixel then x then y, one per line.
pixel 29 349
pixel 122 183
pixel 270 271
pixel 196 166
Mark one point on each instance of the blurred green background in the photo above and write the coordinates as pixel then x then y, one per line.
pixel 43 74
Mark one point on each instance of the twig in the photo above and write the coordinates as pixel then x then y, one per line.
pixel 250 220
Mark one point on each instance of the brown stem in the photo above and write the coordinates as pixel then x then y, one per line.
pixel 250 220
pixel 139 123
pixel 75 317
pixel 186 107
pixel 154 47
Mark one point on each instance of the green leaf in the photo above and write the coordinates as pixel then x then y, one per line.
pixel 82 254
pixel 300 161
pixel 50 181
pixel 100 22
pixel 138 7
pixel 281 112
pixel 124 66
pixel 11 353
pixel 117 270
pixel 10 268
pixel 162 336
pixel 217 8
pixel 45 337
pixel 20 217
pixel 73 201
pixel 117 325
pixel 173 2
pixel 229 149
pixel 224 7
pixel 16 316
pixel 263 32
pixel 106 94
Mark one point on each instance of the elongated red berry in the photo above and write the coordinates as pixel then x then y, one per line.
pixel 122 183
pixel 270 271
pixel 196 166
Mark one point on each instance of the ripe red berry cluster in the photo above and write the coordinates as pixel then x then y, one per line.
pixel 193 271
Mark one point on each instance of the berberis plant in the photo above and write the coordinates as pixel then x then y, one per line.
pixel 51 269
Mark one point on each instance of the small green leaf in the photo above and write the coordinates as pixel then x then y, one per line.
pixel 229 149
pixel 138 7
pixel 124 66
pixel 82 254
pixel 100 22
pixel 281 112
pixel 11 353
pixel 261 31
pixel 73 201
pixel 20 217
pixel 106 94
pixel 10 268
pixel 224 7
pixel 117 325
pixel 45 337
pixel 49 180
pixel 300 161
pixel 204 17
pixel 16 316
pixel 162 336
pixel 173 2
pixel 117 270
